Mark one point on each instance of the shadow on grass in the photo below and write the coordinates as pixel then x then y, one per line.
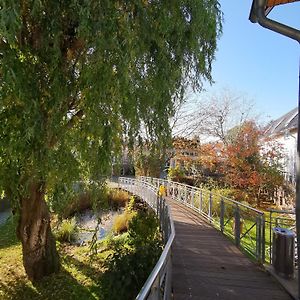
pixel 55 287
pixel 8 236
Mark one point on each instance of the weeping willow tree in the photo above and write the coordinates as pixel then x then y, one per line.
pixel 74 75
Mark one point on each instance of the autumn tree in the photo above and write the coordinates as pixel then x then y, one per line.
pixel 72 75
pixel 251 164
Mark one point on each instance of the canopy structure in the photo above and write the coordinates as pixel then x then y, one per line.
pixel 271 3
pixel 258 14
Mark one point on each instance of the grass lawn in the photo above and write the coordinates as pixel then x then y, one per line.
pixel 77 279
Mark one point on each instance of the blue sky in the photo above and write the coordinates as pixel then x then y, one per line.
pixel 256 62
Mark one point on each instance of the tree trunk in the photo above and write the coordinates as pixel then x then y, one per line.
pixel 40 257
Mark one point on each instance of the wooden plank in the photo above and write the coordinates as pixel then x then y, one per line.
pixel 206 265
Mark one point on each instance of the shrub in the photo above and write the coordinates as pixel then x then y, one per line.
pixel 128 267
pixel 175 173
pixel 67 231
pixel 113 242
pixel 118 198
pixel 144 229
pixel 121 222
pixel 78 204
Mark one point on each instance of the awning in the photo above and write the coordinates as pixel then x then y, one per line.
pixel 272 3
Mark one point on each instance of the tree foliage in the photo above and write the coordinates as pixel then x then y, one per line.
pixel 75 73
pixel 250 164
pixel 74 76
pixel 213 115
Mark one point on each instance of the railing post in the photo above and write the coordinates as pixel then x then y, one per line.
pixel 237 223
pixel 166 231
pixel 162 213
pixel 270 237
pixel 222 213
pixel 258 238
pixel 263 243
pixel 210 205
pixel 200 201
pixel 193 198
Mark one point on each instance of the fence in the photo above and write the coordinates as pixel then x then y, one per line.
pixel 158 284
pixel 242 223
pixel 283 219
pixel 250 228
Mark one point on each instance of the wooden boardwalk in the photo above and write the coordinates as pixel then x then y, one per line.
pixel 207 266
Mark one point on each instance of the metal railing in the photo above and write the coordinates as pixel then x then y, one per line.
pixel 282 219
pixel 248 227
pixel 158 285
pixel 243 224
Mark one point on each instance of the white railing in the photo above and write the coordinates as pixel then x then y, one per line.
pixel 158 285
pixel 245 225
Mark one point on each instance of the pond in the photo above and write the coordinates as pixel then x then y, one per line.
pixel 87 222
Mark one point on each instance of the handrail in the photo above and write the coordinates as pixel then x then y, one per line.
pixel 242 223
pixel 158 284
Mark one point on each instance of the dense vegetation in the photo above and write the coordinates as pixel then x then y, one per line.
pixel 246 168
pixel 113 268
pixel 77 79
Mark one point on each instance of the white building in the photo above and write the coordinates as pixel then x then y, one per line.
pixel 284 131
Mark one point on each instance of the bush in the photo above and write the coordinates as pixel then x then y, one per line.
pixel 67 231
pixel 121 222
pixel 130 264
pixel 113 242
pixel 78 204
pixel 117 198
pixel 175 173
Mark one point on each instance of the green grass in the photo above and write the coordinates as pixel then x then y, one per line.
pixel 117 271
pixel 77 279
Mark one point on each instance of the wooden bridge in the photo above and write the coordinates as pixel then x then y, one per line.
pixel 198 261
pixel 208 266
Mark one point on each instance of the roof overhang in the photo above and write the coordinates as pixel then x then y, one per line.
pixel 259 12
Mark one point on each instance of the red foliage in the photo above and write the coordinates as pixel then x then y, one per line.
pixel 247 164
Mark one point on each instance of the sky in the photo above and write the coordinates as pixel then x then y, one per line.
pixel 258 63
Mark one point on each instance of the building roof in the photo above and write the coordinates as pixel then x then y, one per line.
pixel 271 3
pixel 285 123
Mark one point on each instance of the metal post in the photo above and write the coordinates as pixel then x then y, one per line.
pixel 258 238
pixel 210 205
pixel 201 202
pixel 162 214
pixel 237 225
pixel 270 237
pixel 263 244
pixel 222 213
pixel 166 233
pixel 193 198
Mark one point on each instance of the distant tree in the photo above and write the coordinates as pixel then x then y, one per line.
pixel 249 166
pixel 214 115
pixel 72 75
pixel 149 159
